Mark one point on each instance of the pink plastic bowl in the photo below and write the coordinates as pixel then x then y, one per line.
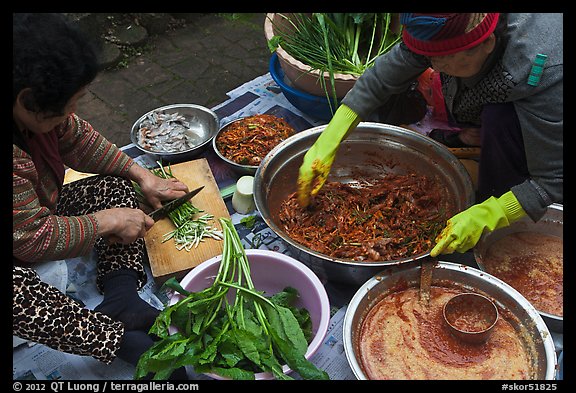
pixel 271 272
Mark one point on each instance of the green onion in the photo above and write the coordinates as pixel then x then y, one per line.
pixel 189 231
pixel 234 334
pixel 345 43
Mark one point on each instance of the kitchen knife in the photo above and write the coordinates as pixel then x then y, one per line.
pixel 174 204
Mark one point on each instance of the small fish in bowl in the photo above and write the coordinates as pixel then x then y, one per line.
pixel 163 132
pixel 175 132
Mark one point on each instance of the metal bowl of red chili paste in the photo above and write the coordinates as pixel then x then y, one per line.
pixel 385 316
pixel 372 150
pixel 528 255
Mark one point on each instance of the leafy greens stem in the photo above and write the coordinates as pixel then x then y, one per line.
pixel 233 238
pixel 253 293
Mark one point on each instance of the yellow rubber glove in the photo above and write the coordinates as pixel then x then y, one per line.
pixel 319 158
pixel 463 231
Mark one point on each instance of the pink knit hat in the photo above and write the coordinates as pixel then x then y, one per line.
pixel 444 34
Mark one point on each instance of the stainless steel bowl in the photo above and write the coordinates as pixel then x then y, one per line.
pixel 238 168
pixel 203 121
pixel 369 151
pixel 474 308
pixel 529 323
pixel 552 223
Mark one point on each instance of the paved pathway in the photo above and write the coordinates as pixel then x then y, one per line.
pixel 195 64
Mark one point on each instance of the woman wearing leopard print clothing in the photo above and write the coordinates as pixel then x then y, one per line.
pixel 52 66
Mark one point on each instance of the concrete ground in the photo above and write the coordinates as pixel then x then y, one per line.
pixel 197 63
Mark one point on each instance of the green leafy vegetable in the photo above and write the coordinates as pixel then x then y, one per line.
pixel 345 43
pixel 249 221
pixel 234 334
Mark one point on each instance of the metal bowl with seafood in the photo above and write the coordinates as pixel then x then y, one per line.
pixel 243 143
pixel 175 133
pixel 372 152
pixel 389 333
pixel 528 256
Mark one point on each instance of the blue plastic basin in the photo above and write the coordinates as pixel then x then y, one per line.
pixel 314 106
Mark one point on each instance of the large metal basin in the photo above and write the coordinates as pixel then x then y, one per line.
pixel 525 319
pixel 552 223
pixel 371 150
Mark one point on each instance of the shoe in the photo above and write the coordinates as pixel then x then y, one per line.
pixel 448 138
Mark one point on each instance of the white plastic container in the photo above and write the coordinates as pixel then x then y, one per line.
pixel 243 198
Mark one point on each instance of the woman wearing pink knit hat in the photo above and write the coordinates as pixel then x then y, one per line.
pixel 502 82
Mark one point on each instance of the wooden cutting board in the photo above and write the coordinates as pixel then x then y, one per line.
pixel 165 259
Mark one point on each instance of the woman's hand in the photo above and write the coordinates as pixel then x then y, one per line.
pixel 463 231
pixel 156 189
pixel 319 158
pixel 123 224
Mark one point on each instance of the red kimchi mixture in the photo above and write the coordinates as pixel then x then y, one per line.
pixel 248 140
pixel 384 219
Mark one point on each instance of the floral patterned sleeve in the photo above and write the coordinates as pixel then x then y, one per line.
pixel 83 149
pixel 39 234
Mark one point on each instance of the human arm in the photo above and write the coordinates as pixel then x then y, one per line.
pixel 155 188
pixel 539 107
pixel 84 149
pixel 463 230
pixel 37 233
pixel 40 233
pixel 122 225
pixel 392 73
pixel 542 133
pixel 318 159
